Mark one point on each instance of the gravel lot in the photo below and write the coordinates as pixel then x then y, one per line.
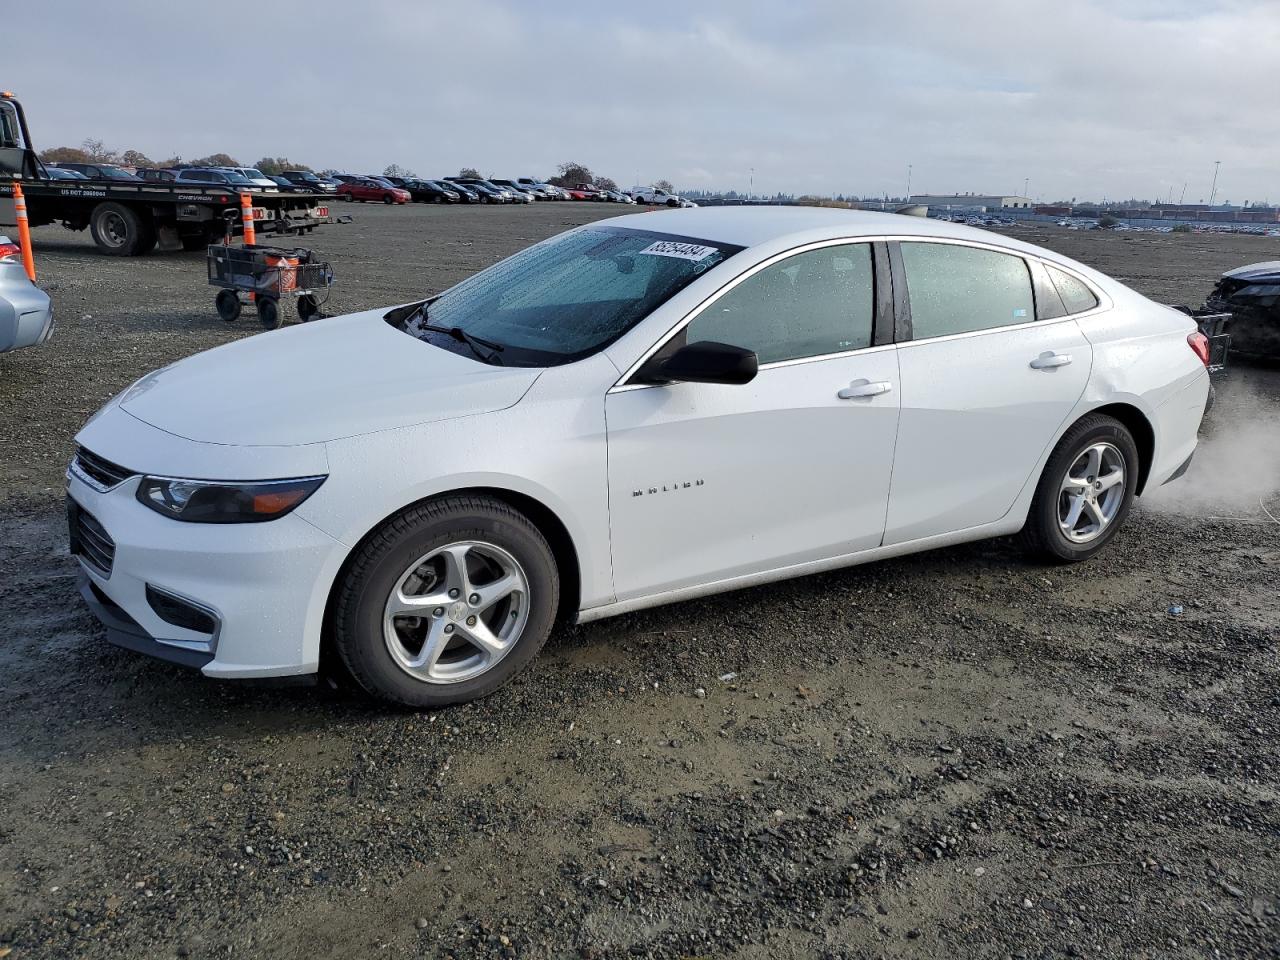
pixel 958 754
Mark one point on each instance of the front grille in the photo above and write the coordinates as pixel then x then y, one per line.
pixel 89 540
pixel 103 472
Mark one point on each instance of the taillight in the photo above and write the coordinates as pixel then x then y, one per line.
pixel 1200 344
pixel 10 251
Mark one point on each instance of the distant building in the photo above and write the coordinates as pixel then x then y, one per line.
pixel 970 201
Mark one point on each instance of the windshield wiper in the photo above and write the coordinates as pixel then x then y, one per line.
pixel 486 350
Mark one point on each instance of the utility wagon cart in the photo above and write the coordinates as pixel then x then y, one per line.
pixel 265 275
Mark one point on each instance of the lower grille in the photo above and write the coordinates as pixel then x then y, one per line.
pixel 89 540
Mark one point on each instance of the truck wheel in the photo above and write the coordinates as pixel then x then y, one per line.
pixel 673 203
pixel 308 307
pixel 228 305
pixel 149 239
pixel 117 230
pixel 268 313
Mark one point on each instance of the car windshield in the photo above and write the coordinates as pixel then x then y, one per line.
pixel 115 173
pixel 567 297
pixel 233 176
pixel 255 174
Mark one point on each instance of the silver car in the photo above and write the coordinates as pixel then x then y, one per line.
pixel 26 313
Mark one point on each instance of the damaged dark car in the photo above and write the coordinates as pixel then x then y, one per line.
pixel 1251 294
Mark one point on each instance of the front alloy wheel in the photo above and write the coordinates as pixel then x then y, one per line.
pixel 456 612
pixel 445 602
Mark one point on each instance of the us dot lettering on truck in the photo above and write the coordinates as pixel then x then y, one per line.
pixel 682 251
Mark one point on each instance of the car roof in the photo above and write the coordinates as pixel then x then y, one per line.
pixel 752 226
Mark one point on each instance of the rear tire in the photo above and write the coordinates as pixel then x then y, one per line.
pixel 408 557
pixel 308 307
pixel 118 230
pixel 388 199
pixel 1064 522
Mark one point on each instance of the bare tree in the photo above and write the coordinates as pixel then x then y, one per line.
pixel 604 183
pixel 395 170
pixel 664 185
pixel 135 158
pixel 470 172
pixel 98 151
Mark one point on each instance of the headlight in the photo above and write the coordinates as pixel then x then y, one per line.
pixel 214 501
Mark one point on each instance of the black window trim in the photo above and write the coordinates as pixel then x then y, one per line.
pixel 905 334
pixel 673 339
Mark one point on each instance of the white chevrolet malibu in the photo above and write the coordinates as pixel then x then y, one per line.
pixel 637 411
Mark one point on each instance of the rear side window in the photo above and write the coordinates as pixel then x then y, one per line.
pixel 815 303
pixel 1076 296
pixel 956 289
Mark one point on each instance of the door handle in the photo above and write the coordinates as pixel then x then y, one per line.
pixel 864 388
pixel 1048 360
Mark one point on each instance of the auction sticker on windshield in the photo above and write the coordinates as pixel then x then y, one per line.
pixel 683 251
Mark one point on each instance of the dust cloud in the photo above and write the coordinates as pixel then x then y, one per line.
pixel 1236 470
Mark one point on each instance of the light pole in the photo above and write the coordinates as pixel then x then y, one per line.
pixel 1025 182
pixel 1213 192
pixel 908 198
pixel 751 180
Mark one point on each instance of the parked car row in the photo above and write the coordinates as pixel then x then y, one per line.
pixel 460 189
pixel 377 188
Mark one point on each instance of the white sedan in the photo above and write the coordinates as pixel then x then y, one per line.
pixel 637 411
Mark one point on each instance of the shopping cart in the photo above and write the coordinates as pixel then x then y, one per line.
pixel 265 275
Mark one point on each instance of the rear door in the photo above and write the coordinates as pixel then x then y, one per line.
pixel 985 385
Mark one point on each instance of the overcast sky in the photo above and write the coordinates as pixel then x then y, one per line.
pixel 1085 99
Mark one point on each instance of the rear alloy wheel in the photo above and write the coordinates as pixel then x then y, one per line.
pixel 446 602
pixel 388 198
pixel 1085 492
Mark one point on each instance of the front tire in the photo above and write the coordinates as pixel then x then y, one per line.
pixel 1085 492
pixel 446 602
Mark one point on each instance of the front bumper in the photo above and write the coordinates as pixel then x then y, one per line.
pixel 123 631
pixel 265 585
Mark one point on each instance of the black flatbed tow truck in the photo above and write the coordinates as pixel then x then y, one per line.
pixel 130 217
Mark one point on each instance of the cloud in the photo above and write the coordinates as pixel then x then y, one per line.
pixel 1120 98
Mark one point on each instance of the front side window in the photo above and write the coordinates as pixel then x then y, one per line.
pixel 957 289
pixel 809 305
pixel 1076 296
pixel 567 297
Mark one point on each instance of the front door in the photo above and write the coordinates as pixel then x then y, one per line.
pixel 709 482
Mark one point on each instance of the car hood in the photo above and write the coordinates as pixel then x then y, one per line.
pixel 320 381
pixel 1267 272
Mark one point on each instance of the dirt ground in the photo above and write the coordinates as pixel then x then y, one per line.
pixel 957 754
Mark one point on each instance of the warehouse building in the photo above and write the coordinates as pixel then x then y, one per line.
pixel 970 201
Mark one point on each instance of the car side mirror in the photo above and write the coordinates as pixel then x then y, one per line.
pixel 704 362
